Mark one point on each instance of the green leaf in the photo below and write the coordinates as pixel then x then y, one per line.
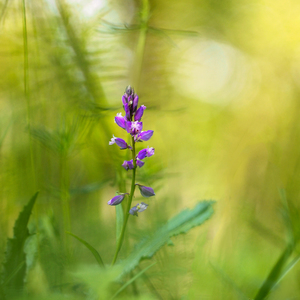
pixel 119 221
pixel 181 223
pixel 274 275
pixel 91 248
pixel 14 268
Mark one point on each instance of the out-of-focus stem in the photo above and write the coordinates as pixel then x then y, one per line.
pixel 140 49
pixel 121 239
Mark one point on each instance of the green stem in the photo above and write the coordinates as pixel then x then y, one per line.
pixel 121 239
pixel 140 49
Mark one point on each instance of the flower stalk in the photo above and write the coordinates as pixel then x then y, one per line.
pixel 132 124
pixel 121 239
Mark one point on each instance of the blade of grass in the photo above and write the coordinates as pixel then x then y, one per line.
pixel 119 221
pixel 91 248
pixel 131 280
pixel 274 275
pixel 289 267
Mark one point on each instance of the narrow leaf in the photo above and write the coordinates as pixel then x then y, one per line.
pixel 275 275
pixel 131 280
pixel 181 223
pixel 14 268
pixel 119 221
pixel 91 248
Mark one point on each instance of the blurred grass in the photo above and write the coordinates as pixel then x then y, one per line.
pixel 221 84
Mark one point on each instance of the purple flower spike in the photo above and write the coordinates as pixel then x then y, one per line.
pixel 139 113
pixel 117 199
pixel 144 136
pixel 134 127
pixel 135 103
pixel 146 191
pixel 128 165
pixel 139 163
pixel 138 208
pixel 120 120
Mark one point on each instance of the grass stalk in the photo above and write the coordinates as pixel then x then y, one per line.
pixel 65 198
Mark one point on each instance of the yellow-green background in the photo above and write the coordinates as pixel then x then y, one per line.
pixel 220 80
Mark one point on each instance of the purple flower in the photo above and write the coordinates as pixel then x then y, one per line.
pixel 147 152
pixel 134 127
pixel 138 208
pixel 120 142
pixel 139 163
pixel 146 191
pixel 144 136
pixel 117 199
pixel 120 120
pixel 139 113
pixel 128 165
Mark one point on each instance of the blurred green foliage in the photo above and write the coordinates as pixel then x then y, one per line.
pixel 220 80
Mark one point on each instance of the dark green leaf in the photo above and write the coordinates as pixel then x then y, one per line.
pixel 14 270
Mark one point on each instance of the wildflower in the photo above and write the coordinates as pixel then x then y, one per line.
pixel 146 191
pixel 120 142
pixel 117 199
pixel 138 208
pixel 145 153
pixel 128 165
pixel 144 136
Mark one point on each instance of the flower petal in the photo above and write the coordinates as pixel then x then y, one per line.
pixel 120 120
pixel 138 208
pixel 139 163
pixel 144 136
pixel 139 113
pixel 135 103
pixel 142 154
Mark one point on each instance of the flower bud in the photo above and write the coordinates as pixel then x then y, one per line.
pixel 117 199
pixel 146 191
pixel 128 165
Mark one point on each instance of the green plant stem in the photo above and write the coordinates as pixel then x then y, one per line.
pixel 140 49
pixel 121 239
